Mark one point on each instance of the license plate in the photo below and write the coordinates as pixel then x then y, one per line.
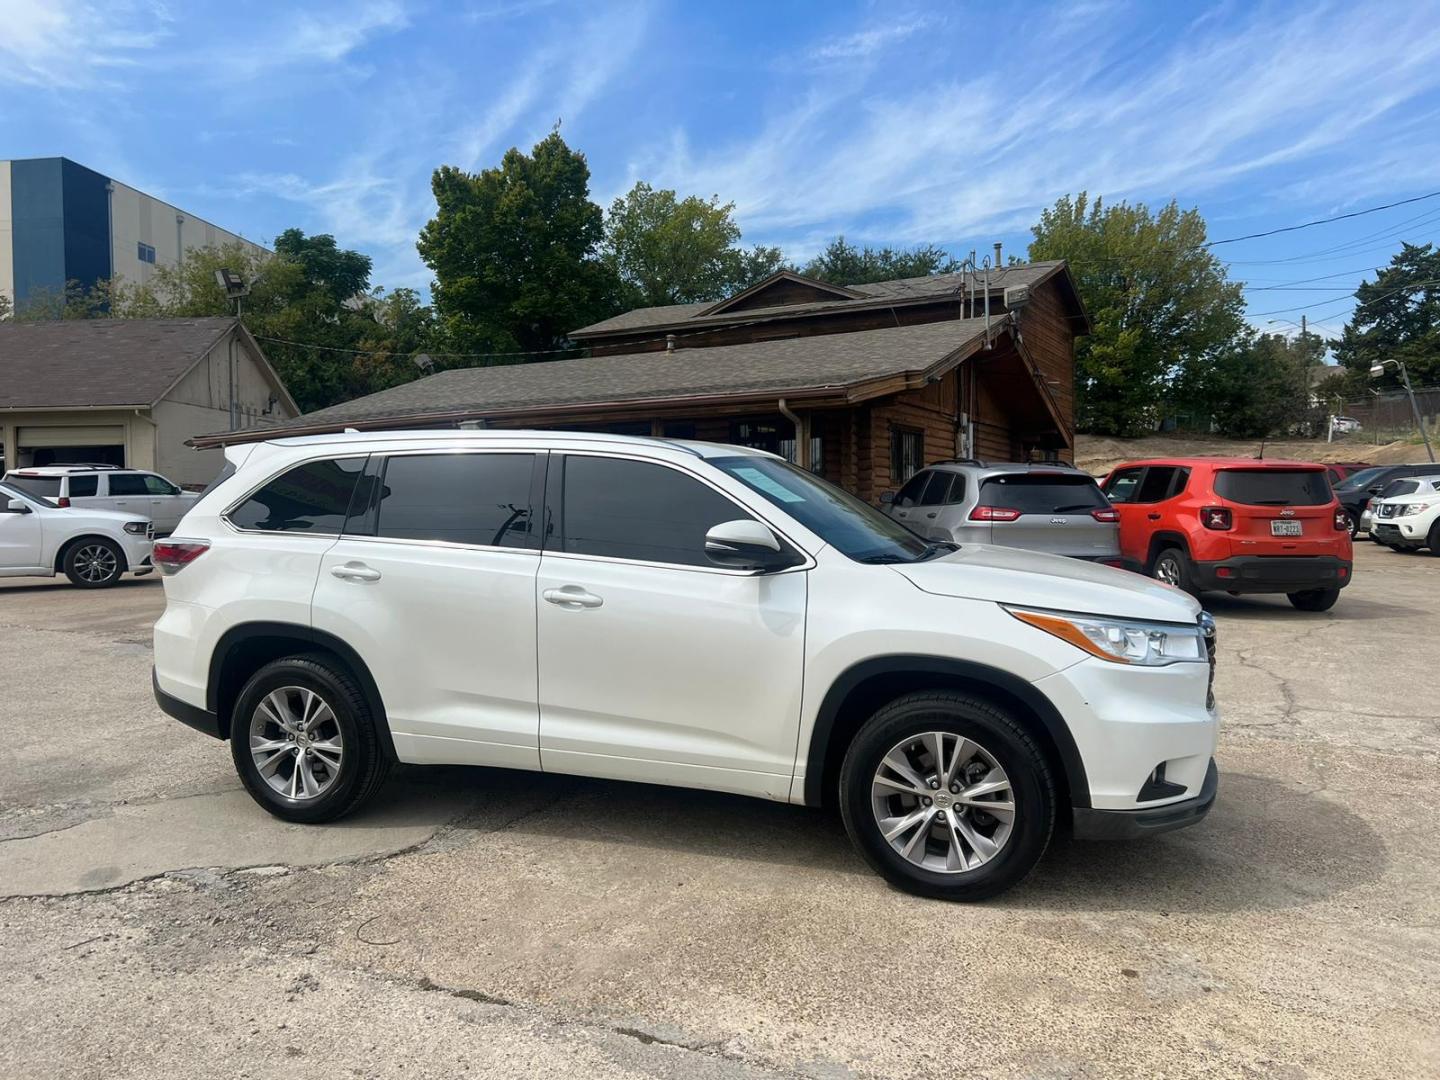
pixel 1285 528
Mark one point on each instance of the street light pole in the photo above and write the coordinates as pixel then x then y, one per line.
pixel 1379 369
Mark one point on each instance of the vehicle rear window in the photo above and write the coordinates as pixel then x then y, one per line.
pixel 42 487
pixel 1274 487
pixel 1042 493
pixel 309 498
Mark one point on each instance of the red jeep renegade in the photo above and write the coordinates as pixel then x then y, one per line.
pixel 1234 524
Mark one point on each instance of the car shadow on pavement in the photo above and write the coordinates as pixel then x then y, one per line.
pixel 1266 845
pixel 22 585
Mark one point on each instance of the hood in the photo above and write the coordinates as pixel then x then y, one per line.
pixel 1031 579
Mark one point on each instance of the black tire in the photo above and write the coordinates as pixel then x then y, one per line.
pixel 1354 520
pixel 90 555
pixel 1004 739
pixel 363 763
pixel 1176 558
pixel 1315 599
pixel 1432 541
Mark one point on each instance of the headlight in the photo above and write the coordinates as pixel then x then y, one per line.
pixel 137 528
pixel 1411 509
pixel 1121 641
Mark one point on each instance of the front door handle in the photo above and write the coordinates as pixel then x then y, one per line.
pixel 355 572
pixel 572 596
pixel 932 513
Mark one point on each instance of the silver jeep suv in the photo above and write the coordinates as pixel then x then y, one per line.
pixel 1050 506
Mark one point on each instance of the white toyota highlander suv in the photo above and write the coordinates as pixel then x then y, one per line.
pixel 676 613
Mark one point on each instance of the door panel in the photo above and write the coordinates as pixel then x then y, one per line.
pixel 679 676
pixel 448 632
pixel 20 537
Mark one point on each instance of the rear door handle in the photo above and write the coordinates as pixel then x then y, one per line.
pixel 1153 517
pixel 355 572
pixel 572 596
pixel 932 513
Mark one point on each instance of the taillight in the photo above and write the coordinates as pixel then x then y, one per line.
pixel 1217 518
pixel 172 556
pixel 993 513
pixel 1342 520
pixel 63 501
pixel 1105 515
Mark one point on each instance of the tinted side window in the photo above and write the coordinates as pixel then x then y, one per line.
pixel 1156 485
pixel 909 495
pixel 309 498
pixel 156 486
pixel 82 486
pixel 127 484
pixel 1121 485
pixel 459 498
pixel 636 510
pixel 937 492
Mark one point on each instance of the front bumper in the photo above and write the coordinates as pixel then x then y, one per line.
pixel 190 715
pixel 1399 532
pixel 1272 573
pixel 1091 824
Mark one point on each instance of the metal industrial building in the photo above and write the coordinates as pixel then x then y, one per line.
pixel 61 222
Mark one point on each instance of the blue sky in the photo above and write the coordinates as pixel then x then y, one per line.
pixel 891 122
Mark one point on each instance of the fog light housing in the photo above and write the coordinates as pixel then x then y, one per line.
pixel 1157 787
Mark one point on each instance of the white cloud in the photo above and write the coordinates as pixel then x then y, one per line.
pixel 949 157
pixel 68 46
pixel 866 43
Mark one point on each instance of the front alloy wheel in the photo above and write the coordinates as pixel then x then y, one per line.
pixel 94 564
pixel 946 794
pixel 943 802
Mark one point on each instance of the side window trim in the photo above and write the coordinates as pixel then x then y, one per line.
pixel 554 516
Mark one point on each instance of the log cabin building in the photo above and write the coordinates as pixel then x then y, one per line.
pixel 864 384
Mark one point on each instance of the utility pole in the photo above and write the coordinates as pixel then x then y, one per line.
pixel 1379 369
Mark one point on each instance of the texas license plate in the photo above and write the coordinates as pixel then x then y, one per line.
pixel 1284 528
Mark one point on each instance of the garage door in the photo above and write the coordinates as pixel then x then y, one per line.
pixel 77 435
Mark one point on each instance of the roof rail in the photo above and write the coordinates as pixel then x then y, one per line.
pixel 963 461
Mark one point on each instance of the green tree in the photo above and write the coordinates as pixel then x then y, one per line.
pixel 1159 302
pixel 1256 389
pixel 842 263
pixel 667 250
pixel 5 307
pixel 340 274
pixel 1397 318
pixel 515 251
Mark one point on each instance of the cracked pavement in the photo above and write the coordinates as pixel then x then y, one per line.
pixel 492 923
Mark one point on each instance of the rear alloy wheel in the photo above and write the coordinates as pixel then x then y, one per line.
pixel 1315 599
pixel 304 742
pixel 947 796
pixel 1171 567
pixel 94 563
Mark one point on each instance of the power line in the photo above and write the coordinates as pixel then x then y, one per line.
pixel 1367 303
pixel 1322 221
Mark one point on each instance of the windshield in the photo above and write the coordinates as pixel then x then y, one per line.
pixel 11 490
pixel 42 487
pixel 1274 487
pixel 853 527
pixel 1043 493
pixel 1363 478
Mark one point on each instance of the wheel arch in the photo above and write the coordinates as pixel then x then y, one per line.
pixel 865 687
pixel 1166 538
pixel 244 649
pixel 70 541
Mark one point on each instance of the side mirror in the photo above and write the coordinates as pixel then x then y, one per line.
pixel 745 545
pixel 887 497
pixel 17 506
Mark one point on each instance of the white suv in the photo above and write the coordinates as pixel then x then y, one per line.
pixel 93 548
pixel 104 487
pixel 1410 520
pixel 676 613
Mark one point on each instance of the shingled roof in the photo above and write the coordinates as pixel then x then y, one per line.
pixel 790 366
pixel 73 363
pixel 873 294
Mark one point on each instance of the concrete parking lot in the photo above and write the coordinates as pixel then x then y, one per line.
pixel 155 922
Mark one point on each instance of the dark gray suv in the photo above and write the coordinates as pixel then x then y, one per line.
pixel 1051 507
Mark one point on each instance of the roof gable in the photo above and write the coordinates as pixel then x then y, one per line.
pixel 73 363
pixel 781 289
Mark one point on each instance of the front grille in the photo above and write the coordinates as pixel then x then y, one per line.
pixel 1207 629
